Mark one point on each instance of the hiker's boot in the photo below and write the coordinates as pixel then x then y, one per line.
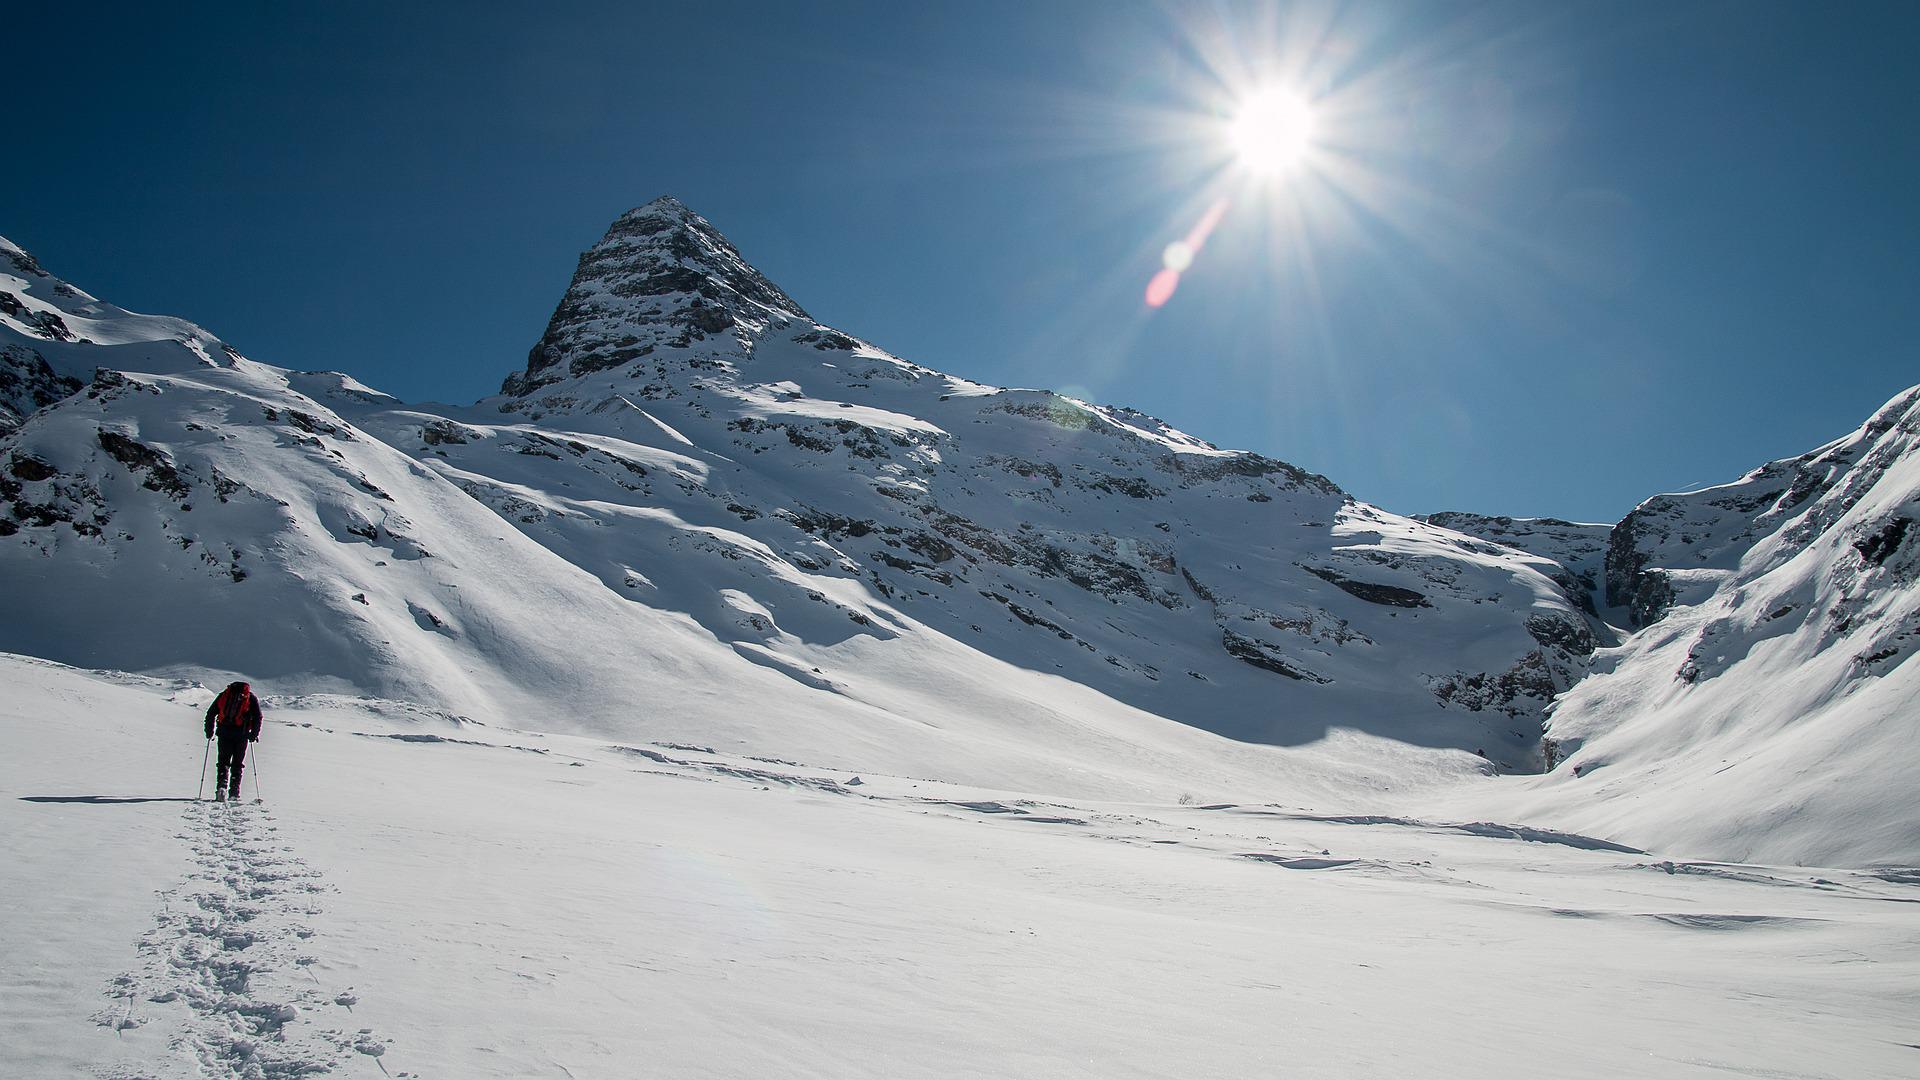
pixel 219 795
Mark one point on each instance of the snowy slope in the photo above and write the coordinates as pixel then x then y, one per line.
pixel 1770 711
pixel 700 515
pixel 422 897
pixel 1577 550
pixel 1679 549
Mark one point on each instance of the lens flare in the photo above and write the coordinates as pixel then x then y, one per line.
pixel 1179 255
pixel 1160 288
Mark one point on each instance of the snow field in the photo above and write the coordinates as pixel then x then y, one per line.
pixel 496 903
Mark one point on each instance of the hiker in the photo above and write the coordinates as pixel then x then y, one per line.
pixel 236 713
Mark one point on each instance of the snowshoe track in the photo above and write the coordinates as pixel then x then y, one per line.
pixel 225 963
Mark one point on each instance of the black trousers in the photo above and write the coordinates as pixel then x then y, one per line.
pixel 233 758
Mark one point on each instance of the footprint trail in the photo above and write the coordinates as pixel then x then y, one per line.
pixel 225 965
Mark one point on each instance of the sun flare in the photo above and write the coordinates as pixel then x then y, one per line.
pixel 1271 131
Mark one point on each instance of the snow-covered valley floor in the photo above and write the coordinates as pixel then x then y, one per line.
pixel 420 897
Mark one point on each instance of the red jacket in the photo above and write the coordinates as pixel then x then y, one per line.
pixel 237 709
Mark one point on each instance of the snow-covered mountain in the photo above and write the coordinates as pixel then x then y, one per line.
pixel 700 514
pixel 1766 710
pixel 1675 550
pixel 1131 556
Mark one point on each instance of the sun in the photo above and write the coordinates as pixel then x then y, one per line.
pixel 1271 131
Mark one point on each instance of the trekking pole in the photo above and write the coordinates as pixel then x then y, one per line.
pixel 253 751
pixel 201 791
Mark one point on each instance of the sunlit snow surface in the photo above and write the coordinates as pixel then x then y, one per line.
pixel 420 896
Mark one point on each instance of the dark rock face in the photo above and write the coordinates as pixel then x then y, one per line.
pixel 1290 477
pixel 1521 690
pixel 1645 594
pixel 1876 548
pixel 22 262
pixel 28 384
pixel 31 469
pixel 1265 657
pixel 1390 595
pixel 44 323
pixel 138 457
pixel 827 340
pixel 662 277
pixel 445 433
pixel 35 495
pixel 1563 634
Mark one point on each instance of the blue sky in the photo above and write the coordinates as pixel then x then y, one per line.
pixel 1543 260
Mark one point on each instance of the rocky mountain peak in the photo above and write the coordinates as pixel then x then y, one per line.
pixel 17 257
pixel 662 278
